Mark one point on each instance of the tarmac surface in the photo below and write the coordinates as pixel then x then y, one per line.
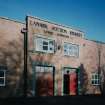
pixel 55 100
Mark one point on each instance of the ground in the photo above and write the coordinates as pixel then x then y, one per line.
pixel 65 100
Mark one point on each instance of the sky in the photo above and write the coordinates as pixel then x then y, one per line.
pixel 86 15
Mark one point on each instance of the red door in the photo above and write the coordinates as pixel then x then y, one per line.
pixel 44 83
pixel 72 84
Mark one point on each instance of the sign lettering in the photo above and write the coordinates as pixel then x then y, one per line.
pixel 54 28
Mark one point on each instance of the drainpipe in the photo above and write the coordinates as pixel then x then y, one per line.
pixel 24 31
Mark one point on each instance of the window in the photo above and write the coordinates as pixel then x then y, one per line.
pixel 2 77
pixel 44 69
pixel 95 79
pixel 71 49
pixel 44 45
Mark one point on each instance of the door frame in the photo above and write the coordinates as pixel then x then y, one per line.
pixel 63 80
pixel 34 76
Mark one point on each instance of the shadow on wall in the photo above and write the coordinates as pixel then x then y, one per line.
pixel 12 56
pixel 83 80
pixel 38 59
pixel 102 80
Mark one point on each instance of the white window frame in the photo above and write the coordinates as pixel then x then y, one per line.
pixel 68 50
pixel 95 79
pixel 3 77
pixel 44 69
pixel 39 48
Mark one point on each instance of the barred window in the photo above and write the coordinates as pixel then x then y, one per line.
pixel 2 77
pixel 95 80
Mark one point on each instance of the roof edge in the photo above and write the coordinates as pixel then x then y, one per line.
pixel 96 41
pixel 6 18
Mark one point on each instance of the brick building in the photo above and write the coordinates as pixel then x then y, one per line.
pixel 61 61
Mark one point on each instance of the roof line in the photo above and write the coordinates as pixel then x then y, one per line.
pixel 6 18
pixel 54 23
pixel 96 41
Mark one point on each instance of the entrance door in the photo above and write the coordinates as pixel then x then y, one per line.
pixel 73 83
pixel 69 82
pixel 44 81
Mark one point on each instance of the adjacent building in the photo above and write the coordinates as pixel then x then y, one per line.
pixel 61 61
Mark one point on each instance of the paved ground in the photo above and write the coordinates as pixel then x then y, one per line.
pixel 64 100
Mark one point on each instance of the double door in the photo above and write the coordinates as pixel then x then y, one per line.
pixel 70 82
pixel 44 81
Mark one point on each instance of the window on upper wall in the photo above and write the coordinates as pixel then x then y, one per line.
pixel 44 45
pixel 95 79
pixel 71 49
pixel 2 77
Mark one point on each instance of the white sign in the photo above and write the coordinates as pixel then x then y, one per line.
pixel 42 24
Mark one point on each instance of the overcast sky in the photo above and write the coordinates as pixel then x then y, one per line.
pixel 86 15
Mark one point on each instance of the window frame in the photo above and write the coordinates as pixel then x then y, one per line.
pixel 3 77
pixel 95 79
pixel 68 49
pixel 48 46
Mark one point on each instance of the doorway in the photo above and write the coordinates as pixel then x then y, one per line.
pixel 70 82
pixel 44 85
